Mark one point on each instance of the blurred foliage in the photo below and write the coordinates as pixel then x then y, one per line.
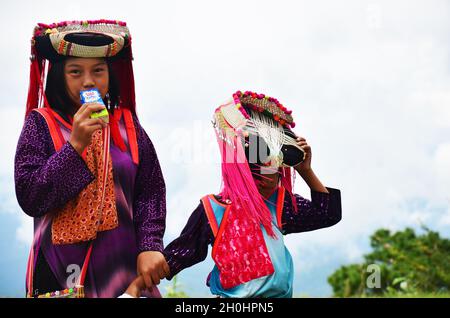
pixel 409 265
pixel 174 291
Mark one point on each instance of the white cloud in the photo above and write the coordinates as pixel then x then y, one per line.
pixel 445 220
pixel 24 232
pixel 11 121
pixel 442 167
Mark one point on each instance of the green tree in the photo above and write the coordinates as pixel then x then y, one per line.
pixel 407 263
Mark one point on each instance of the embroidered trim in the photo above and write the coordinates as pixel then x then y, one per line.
pixel 222 226
pixel 280 205
pixel 210 215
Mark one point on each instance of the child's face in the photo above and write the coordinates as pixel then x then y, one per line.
pixel 266 182
pixel 85 73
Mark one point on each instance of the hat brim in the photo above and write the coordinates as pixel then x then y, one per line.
pixel 45 49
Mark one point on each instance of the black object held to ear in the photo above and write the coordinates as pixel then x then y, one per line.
pixel 258 152
pixel 292 156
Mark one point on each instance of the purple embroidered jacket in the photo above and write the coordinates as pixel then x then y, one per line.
pixel 45 180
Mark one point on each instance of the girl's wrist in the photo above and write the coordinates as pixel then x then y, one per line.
pixel 77 147
pixel 305 171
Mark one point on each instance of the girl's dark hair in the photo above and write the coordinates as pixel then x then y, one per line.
pixel 58 97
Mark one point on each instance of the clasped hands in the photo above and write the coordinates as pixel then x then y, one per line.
pixel 151 268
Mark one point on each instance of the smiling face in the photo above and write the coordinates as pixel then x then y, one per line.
pixel 85 73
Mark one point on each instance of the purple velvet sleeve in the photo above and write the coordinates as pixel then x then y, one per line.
pixel 191 247
pixel 323 210
pixel 45 179
pixel 149 206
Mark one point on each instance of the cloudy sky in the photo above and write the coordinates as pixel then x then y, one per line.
pixel 368 83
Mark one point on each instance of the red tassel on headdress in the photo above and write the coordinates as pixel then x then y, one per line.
pixel 33 89
pixel 287 183
pixel 36 94
pixel 123 68
pixel 115 130
pixel 239 185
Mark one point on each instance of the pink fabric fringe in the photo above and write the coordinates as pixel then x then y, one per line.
pixel 239 185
